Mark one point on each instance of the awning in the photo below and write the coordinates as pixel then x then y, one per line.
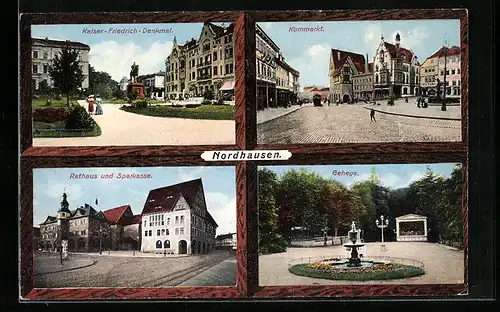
pixel 228 85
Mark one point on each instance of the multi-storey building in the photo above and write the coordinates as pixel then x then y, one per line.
pixel 448 68
pixel 396 70
pixel 154 84
pixel 175 220
pixel 43 53
pixel 125 228
pixel 202 65
pixel 287 83
pixel 428 75
pixel 84 228
pixel 363 83
pixel 226 241
pixel 87 229
pixel 344 65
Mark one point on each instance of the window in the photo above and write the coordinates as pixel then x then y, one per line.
pixel 35 69
pixel 35 54
pixel 215 70
pixel 166 244
pixel 182 219
pixel 145 233
pixel 176 219
pixel 181 231
pixel 167 232
pixel 176 231
pixel 453 72
pixel 150 233
pixel 45 69
pixel 158 232
pixel 162 222
pixel 158 244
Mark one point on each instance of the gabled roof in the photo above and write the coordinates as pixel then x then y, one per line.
pixel 357 59
pixel 454 50
pixel 137 219
pixel 399 52
pixel 325 89
pixel 60 43
pixel 210 219
pixel 225 30
pixel 84 211
pixel 164 199
pixel 411 216
pixel 114 215
pixel 286 66
pixel 50 219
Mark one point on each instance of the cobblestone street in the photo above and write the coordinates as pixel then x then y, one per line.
pixel 111 271
pixel 351 124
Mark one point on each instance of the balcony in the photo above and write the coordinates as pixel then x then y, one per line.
pixel 204 77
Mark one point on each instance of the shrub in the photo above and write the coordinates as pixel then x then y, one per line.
pixel 192 105
pixel 49 102
pixel 140 103
pixel 132 96
pixel 79 119
pixel 220 101
pixel 206 102
pixel 209 95
pixel 50 115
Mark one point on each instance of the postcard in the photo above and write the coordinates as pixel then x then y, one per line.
pixel 134 227
pixel 359 81
pixel 133 84
pixel 361 224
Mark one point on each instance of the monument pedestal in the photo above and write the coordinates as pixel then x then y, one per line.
pixel 139 87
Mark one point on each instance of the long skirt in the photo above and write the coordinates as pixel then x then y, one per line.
pixel 98 109
pixel 91 107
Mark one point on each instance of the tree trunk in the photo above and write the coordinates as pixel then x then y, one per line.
pixel 67 99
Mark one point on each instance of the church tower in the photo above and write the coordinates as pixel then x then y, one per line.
pixel 398 40
pixel 63 215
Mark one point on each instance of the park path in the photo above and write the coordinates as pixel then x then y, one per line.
pixel 123 128
pixel 442 264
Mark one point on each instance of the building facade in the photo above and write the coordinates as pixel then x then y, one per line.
pixel 203 65
pixel 125 228
pixel 363 83
pixel 396 71
pixel 43 53
pixel 287 83
pixel 344 66
pixel 154 85
pixel 84 228
pixel 449 66
pixel 428 75
pixel 226 241
pixel 175 220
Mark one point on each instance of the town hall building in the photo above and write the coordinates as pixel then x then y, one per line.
pixel 175 220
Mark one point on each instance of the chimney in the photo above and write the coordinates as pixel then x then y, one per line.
pixel 338 55
pixel 367 70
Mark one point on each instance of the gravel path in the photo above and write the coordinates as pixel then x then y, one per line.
pixel 120 128
pixel 442 264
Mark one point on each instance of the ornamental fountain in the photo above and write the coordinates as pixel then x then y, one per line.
pixel 354 244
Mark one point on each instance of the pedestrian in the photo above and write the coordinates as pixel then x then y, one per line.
pixel 90 100
pixel 418 102
pixel 98 109
pixel 406 99
pixel 372 115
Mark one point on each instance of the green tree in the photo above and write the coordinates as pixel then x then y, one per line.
pixel 43 87
pixel 269 238
pixel 66 72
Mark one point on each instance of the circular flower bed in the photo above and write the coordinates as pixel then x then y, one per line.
pixel 377 271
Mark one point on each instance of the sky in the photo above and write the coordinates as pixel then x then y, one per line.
pixel 309 52
pixel 219 184
pixel 115 53
pixel 391 176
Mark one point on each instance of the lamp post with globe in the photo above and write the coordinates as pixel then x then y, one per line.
pixel 382 224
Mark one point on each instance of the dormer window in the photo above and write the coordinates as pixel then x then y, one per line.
pixel 151 200
pixel 158 207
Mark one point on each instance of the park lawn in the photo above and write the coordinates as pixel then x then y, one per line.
pixel 38 125
pixel 208 112
pixel 115 101
pixel 42 103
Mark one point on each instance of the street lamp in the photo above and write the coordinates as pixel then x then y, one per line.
pixel 100 239
pixel 382 224
pixel 445 51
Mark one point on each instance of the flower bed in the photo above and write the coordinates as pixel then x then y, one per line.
pixel 378 271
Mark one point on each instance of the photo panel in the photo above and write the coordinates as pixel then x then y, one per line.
pixel 121 82
pixel 362 230
pixel 359 81
pixel 133 232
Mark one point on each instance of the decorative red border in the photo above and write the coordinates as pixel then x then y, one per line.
pixel 358 15
pixel 392 290
pixel 26 231
pixel 27 20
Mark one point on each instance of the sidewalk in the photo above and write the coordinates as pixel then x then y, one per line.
pixel 221 274
pixel 272 113
pixel 410 109
pixel 53 265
